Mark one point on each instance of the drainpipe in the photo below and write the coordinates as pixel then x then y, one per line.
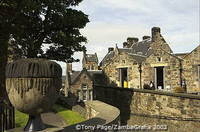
pixel 181 71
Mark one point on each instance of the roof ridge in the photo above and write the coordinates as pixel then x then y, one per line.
pixel 137 55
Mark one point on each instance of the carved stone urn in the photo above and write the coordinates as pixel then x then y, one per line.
pixel 33 86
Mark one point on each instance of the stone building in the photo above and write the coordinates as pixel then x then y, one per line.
pixel 90 61
pixel 151 64
pixel 191 68
pixel 79 84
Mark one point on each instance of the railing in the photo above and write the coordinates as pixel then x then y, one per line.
pixel 7 116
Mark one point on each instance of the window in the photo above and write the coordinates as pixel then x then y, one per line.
pixel 84 95
pixel 79 96
pixel 84 86
pixel 159 59
pixel 84 92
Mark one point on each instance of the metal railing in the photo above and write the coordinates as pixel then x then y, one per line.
pixel 7 115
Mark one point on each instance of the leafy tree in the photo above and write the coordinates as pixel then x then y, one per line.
pixel 33 24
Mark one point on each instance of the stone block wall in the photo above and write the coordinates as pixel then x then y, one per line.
pixel 90 66
pixel 171 69
pixel 123 60
pixel 190 71
pixel 140 107
pixel 76 90
pixel 83 79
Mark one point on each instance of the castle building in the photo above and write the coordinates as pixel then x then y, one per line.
pixel 90 61
pixel 146 64
pixel 79 84
pixel 151 64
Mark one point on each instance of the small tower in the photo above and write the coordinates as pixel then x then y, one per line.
pixel 90 61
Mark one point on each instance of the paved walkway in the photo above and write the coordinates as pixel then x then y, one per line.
pixel 53 120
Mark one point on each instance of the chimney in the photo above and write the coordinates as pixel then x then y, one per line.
pixel 155 31
pixel 132 40
pixel 67 79
pixel 145 37
pixel 125 45
pixel 110 49
pixel 69 67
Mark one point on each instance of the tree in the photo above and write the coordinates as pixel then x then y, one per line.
pixel 32 24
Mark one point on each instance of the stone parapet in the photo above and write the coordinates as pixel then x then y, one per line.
pixel 152 107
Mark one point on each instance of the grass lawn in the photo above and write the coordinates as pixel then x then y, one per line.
pixel 69 116
pixel 20 119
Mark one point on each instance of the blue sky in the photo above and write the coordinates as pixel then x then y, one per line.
pixel 112 21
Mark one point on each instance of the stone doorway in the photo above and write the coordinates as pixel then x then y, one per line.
pixel 159 77
pixel 123 76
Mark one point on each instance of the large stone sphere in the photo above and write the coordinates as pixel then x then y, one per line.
pixel 33 84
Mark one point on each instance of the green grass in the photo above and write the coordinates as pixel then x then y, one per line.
pixel 69 116
pixel 20 119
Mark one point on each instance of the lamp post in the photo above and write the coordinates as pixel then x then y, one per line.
pixel 140 71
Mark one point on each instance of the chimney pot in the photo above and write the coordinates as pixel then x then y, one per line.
pixel 110 49
pixel 132 40
pixel 125 45
pixel 155 30
pixel 146 37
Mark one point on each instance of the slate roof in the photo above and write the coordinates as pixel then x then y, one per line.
pixel 139 51
pixel 138 58
pixel 142 47
pixel 74 75
pixel 96 76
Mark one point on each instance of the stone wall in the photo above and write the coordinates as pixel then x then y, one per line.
pixel 190 71
pixel 102 110
pixel 139 107
pixel 123 60
pixel 90 66
pixel 77 85
pixel 171 66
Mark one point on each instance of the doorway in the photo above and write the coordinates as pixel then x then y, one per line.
pixel 159 77
pixel 123 76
